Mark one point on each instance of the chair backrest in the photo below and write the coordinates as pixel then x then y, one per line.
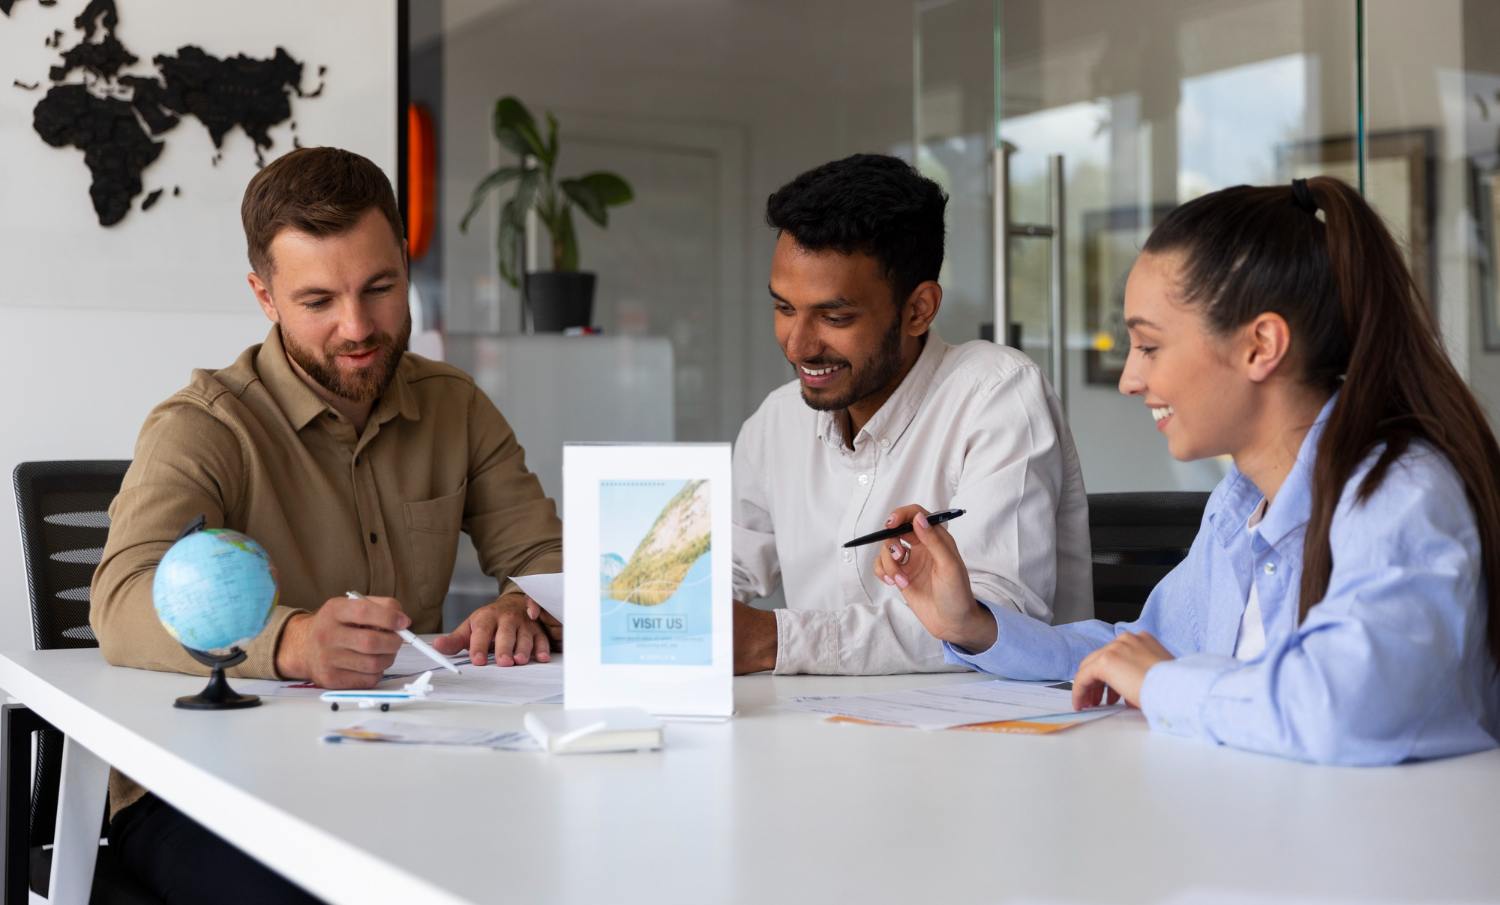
pixel 64 513
pixel 1137 539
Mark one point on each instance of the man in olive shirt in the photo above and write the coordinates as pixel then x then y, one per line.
pixel 354 465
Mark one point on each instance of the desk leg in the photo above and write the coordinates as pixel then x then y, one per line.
pixel 80 810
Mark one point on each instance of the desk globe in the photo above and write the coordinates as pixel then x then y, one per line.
pixel 214 591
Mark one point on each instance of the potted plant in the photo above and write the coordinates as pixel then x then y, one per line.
pixel 563 297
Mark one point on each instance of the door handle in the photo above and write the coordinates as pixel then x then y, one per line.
pixel 1004 230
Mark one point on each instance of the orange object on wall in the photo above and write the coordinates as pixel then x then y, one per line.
pixel 421 180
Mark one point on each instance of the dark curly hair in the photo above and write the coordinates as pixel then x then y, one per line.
pixel 872 204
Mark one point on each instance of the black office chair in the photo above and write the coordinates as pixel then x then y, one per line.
pixel 64 515
pixel 1137 539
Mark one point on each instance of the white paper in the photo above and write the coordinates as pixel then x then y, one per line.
pixel 647 538
pixel 546 589
pixel 494 684
pixel 491 684
pixel 946 706
pixel 396 732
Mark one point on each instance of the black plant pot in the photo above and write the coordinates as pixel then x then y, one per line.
pixel 559 300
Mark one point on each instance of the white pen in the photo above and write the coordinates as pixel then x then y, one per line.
pixel 414 641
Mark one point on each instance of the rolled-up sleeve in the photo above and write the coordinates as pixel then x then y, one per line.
pixel 187 463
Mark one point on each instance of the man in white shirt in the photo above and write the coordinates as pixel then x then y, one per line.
pixel 884 413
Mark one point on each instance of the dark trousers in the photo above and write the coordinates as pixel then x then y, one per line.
pixel 185 864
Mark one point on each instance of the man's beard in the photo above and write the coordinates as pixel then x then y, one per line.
pixel 363 385
pixel 868 380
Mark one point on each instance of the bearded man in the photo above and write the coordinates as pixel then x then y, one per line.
pixel 884 413
pixel 354 463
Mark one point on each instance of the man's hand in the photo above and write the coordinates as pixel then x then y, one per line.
pixel 510 625
pixel 754 639
pixel 345 644
pixel 1117 670
pixel 931 576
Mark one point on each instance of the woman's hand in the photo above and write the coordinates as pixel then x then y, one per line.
pixel 1117 670
pixel 931 576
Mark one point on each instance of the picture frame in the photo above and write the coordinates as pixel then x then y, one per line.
pixel 1112 240
pixel 1484 185
pixel 647 578
pixel 1400 183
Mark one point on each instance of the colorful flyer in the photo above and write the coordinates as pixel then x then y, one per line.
pixel 656 571
pixel 647 578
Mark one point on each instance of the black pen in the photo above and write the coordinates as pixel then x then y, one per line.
pixel 933 518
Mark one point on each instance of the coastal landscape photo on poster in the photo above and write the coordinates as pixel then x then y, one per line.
pixel 656 572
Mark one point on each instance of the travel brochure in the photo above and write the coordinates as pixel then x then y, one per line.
pixel 646 581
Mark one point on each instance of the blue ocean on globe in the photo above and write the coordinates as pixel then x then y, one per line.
pixel 214 590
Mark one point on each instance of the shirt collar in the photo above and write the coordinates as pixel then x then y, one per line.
pixel 891 421
pixel 301 405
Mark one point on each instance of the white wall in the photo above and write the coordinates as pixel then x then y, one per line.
pixel 77 384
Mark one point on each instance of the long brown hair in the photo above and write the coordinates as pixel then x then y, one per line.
pixel 1359 326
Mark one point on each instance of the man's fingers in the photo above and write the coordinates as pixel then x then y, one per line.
pixel 374 612
pixel 481 634
pixel 533 609
pixel 523 645
pixel 370 641
pixel 541 650
pixel 454 642
pixel 505 643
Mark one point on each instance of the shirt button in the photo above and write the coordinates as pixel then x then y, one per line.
pixel 372 537
pixel 848 556
pixel 1270 568
pixel 885 443
pixel 864 479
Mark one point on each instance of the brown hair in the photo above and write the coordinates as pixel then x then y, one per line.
pixel 318 191
pixel 1359 325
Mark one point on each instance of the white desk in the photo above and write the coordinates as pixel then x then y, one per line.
pixel 777 807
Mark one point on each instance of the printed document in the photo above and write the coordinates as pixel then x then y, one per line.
pixel 489 684
pixel 949 706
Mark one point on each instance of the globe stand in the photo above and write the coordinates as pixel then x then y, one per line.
pixel 217 695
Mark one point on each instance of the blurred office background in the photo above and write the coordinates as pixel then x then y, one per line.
pixel 1093 117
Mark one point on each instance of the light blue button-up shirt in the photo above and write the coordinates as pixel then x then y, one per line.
pixel 1392 665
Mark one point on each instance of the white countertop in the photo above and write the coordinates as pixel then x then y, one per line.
pixel 776 806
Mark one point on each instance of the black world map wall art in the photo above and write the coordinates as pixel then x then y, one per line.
pixel 115 119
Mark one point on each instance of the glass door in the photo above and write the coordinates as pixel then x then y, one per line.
pixel 1110 114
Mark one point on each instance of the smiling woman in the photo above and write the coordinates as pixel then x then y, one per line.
pixel 1281 326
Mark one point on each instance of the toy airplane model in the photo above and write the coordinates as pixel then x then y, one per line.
pixel 369 699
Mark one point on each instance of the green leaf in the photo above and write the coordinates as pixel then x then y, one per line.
pixel 587 200
pixel 516 129
pixel 612 190
pixel 525 195
pixel 485 186
pixel 565 243
pixel 551 135
pixel 508 246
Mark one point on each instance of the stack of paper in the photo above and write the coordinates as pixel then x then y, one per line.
pixel 533 683
pixel 952 706
pixel 399 733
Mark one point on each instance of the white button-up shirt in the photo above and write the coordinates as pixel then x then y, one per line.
pixel 974 427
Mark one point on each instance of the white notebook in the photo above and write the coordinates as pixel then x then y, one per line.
pixel 606 729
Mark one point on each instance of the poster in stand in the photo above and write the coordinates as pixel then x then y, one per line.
pixel 647 578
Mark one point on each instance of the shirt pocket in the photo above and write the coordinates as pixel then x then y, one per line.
pixel 432 528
